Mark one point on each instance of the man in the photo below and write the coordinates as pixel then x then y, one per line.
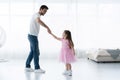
pixel 33 39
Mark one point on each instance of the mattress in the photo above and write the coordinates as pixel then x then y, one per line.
pixel 103 55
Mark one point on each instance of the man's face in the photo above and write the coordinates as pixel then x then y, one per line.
pixel 43 11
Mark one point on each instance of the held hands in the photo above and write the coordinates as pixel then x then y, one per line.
pixel 49 31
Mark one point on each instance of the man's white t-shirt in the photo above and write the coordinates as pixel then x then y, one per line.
pixel 34 26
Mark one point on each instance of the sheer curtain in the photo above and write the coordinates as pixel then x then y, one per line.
pixel 93 23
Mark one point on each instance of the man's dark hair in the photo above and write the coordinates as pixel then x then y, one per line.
pixel 43 7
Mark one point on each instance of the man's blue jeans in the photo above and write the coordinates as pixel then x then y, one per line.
pixel 34 52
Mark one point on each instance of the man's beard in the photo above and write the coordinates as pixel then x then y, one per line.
pixel 42 14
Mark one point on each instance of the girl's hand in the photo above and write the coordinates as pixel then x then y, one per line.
pixel 74 53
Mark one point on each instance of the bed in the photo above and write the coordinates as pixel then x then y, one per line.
pixel 104 55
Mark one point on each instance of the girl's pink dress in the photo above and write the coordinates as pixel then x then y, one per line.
pixel 67 54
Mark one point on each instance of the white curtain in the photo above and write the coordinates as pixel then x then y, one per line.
pixel 93 23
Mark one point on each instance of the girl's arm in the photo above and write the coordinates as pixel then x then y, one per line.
pixel 72 46
pixel 55 37
pixel 73 50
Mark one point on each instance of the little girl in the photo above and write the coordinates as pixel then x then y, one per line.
pixel 67 55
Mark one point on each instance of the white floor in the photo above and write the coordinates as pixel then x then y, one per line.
pixel 83 69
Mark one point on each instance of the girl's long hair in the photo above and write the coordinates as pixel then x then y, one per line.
pixel 69 38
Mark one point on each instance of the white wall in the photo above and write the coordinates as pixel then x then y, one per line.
pixel 94 24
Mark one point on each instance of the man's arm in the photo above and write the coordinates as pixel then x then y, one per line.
pixel 43 24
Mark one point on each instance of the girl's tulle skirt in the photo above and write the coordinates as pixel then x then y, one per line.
pixel 67 56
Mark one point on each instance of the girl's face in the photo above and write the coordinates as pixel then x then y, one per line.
pixel 64 35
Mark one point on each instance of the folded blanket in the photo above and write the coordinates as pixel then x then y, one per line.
pixel 114 53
